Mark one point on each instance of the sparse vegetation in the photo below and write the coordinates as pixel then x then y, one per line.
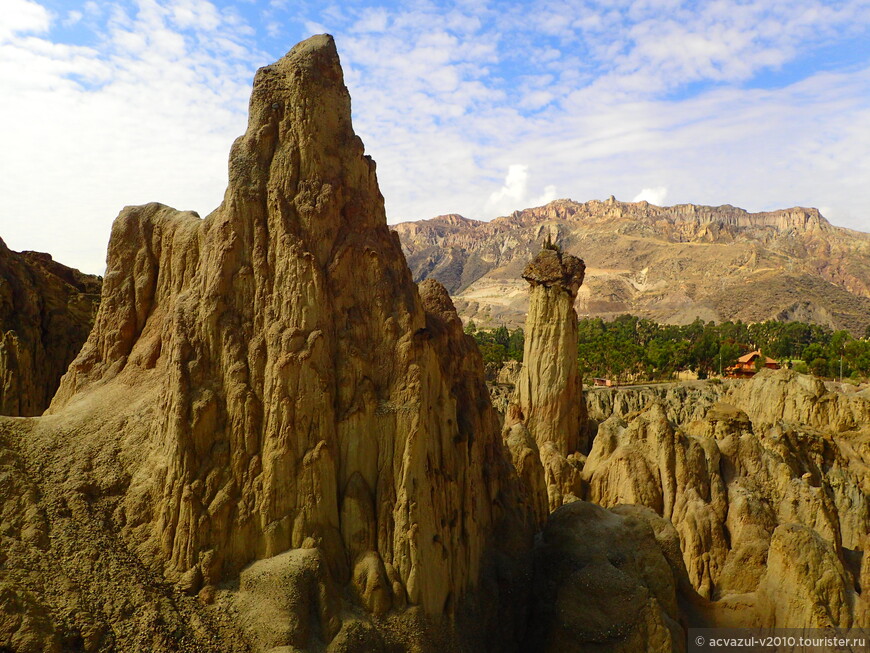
pixel 550 244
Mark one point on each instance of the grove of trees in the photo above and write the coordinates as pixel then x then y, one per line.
pixel 632 349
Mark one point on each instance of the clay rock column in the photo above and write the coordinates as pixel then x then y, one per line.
pixel 548 401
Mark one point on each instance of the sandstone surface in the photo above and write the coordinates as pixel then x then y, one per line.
pixel 602 583
pixel 270 416
pixel 774 472
pixel 545 416
pixel 670 264
pixel 46 313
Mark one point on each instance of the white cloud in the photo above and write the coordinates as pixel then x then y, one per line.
pixel 514 190
pixel 655 195
pixel 150 118
pixel 72 18
pixel 514 194
pixel 22 17
pixel 148 110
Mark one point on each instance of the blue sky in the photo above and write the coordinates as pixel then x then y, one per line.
pixel 473 107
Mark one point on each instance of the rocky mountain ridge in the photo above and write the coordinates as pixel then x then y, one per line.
pixel 671 264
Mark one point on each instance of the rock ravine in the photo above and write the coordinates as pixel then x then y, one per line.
pixel 775 471
pixel 273 440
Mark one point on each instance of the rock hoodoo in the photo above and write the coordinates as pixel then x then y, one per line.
pixel 270 379
pixel 46 313
pixel 546 413
pixel 273 440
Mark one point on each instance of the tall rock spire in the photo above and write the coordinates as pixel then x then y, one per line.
pixel 548 401
pixel 299 396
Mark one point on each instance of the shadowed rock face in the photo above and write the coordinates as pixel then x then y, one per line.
pixel 546 412
pixel 602 583
pixel 269 378
pixel 46 313
pixel 271 416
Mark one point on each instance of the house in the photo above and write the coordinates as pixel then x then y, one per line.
pixel 607 383
pixel 746 365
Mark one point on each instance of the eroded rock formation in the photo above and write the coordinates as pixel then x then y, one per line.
pixel 267 385
pixel 545 416
pixel 603 583
pixel 274 441
pixel 776 471
pixel 46 313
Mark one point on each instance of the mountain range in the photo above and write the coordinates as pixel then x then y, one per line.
pixel 671 264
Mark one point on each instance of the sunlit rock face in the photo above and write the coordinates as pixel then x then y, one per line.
pixel 270 379
pixel 669 264
pixel 767 492
pixel 544 419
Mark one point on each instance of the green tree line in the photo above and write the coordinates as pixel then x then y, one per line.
pixel 498 345
pixel 630 348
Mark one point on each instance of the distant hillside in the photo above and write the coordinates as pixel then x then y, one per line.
pixel 671 264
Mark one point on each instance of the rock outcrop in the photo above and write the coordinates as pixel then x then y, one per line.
pixel 776 471
pixel 545 417
pixel 267 385
pixel 273 440
pixel 46 314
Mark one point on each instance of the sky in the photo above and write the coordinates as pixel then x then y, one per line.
pixel 474 107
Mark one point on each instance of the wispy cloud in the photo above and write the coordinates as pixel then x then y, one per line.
pixel 22 17
pixel 467 105
pixel 146 113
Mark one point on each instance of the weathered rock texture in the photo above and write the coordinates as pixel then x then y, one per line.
pixel 46 313
pixel 604 582
pixel 545 417
pixel 670 264
pixel 768 493
pixel 267 384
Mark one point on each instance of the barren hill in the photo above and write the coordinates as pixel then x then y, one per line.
pixel 671 264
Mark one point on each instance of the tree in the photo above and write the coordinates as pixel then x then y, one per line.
pixel 492 353
pixel 502 336
pixel 812 351
pixel 516 344
pixel 729 353
pixel 819 366
pixel 471 327
pixel 549 244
